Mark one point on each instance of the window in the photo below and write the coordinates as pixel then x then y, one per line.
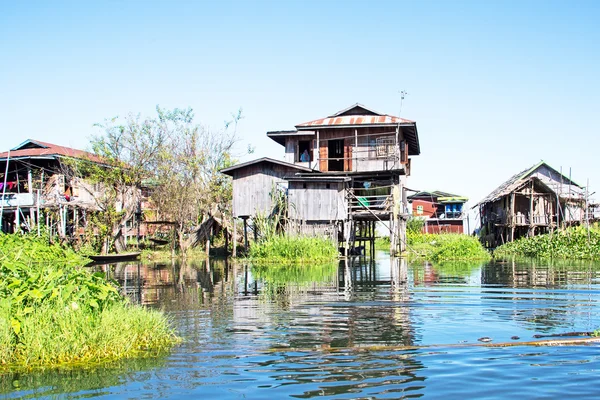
pixel 385 147
pixel 304 151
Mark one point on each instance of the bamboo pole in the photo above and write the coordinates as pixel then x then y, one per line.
pixel 4 189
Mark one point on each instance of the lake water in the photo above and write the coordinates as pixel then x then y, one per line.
pixel 366 329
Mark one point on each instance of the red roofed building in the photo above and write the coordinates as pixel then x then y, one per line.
pixel 32 177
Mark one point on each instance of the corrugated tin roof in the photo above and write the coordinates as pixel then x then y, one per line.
pixel 356 114
pixel 353 120
pixel 229 170
pixel 279 136
pixel 38 149
pixel 435 193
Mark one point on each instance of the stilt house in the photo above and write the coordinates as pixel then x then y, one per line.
pixel 341 175
pixel 534 201
pixel 36 183
pixel 442 212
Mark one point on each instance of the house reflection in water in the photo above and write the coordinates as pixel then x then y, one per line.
pixel 324 309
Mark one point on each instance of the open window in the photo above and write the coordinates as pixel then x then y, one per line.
pixel 304 153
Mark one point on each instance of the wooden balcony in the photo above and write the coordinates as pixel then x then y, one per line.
pixel 378 207
pixel 9 200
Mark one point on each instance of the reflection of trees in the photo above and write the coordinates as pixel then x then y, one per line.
pixel 325 305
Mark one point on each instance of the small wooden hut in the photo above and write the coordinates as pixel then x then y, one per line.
pixel 534 201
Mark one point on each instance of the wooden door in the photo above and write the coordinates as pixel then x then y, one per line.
pixel 348 154
pixel 323 156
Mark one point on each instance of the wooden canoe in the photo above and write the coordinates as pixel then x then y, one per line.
pixel 115 257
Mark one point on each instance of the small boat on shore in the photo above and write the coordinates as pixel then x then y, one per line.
pixel 115 257
pixel 158 241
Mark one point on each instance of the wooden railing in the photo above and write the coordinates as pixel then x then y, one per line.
pixel 379 203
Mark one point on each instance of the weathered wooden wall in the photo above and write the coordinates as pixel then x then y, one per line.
pixel 314 229
pixel 252 188
pixel 360 155
pixel 317 201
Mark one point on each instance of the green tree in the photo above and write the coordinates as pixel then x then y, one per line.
pixel 126 152
pixel 190 191
pixel 180 158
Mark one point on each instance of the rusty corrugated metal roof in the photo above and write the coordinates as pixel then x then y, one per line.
pixel 35 148
pixel 350 120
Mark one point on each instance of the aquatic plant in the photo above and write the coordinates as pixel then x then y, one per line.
pixel 53 312
pixel 446 246
pixel 297 249
pixel 570 243
pixel 31 249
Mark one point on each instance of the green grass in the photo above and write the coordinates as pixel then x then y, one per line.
pixel 52 336
pixel 294 249
pixel 53 312
pixel 443 247
pixel 571 243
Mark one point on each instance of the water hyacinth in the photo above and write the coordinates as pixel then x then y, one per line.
pixel 446 246
pixel 54 313
pixel 296 249
pixel 571 243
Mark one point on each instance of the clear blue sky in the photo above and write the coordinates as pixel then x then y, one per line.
pixel 494 86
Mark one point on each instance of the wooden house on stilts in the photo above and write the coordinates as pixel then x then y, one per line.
pixel 534 201
pixel 341 175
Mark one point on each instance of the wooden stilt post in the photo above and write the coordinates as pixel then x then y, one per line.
pixel 234 237
pixel 208 234
pixel 512 217
pixel 531 212
pixel 245 233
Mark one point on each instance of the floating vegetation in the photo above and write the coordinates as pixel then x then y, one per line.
pixel 571 243
pixel 445 246
pixel 294 249
pixel 54 313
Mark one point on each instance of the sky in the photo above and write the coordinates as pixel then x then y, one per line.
pixel 494 86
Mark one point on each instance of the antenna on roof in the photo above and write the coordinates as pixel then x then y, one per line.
pixel 403 94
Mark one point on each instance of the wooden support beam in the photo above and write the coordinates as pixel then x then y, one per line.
pixel 246 233
pixel 234 237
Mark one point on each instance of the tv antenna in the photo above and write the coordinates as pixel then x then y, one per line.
pixel 403 94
